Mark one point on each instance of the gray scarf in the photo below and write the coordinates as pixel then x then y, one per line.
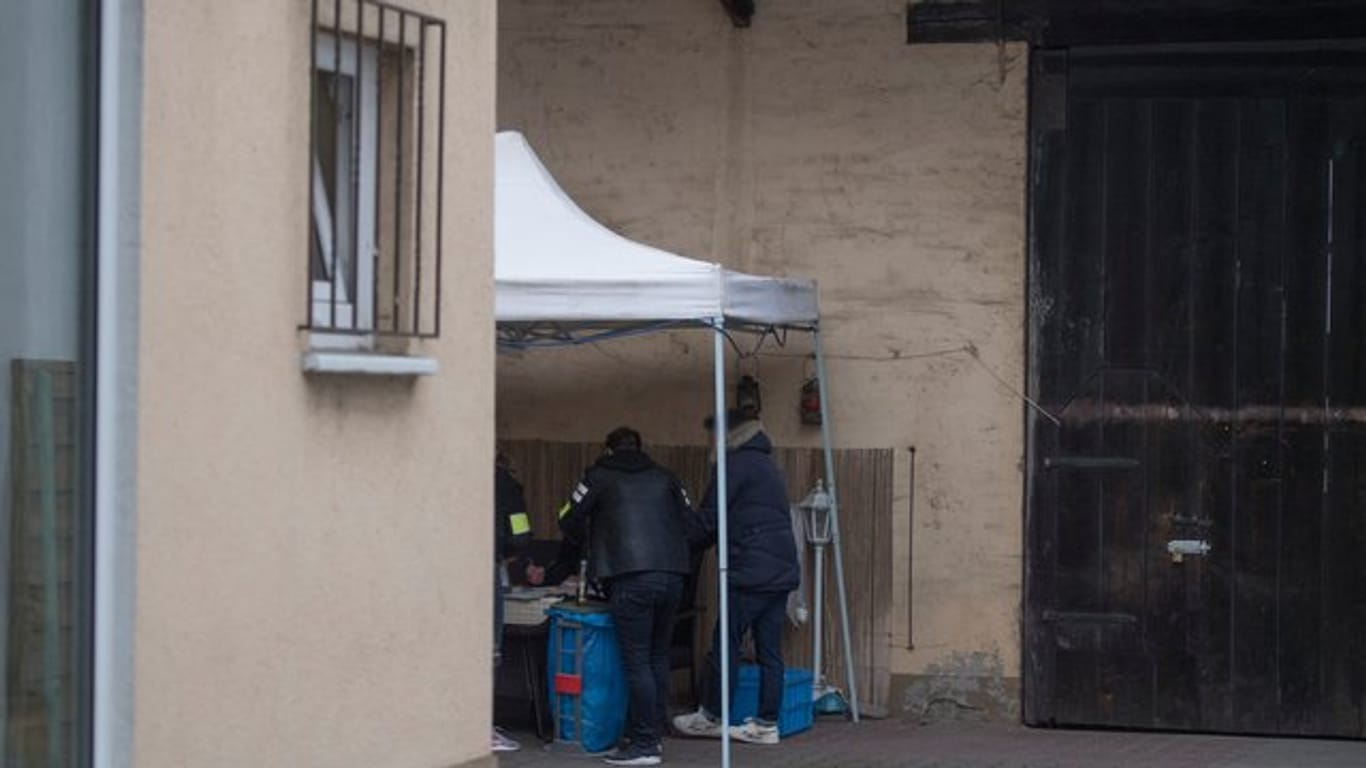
pixel 739 435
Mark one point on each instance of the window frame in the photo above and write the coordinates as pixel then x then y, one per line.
pixel 399 297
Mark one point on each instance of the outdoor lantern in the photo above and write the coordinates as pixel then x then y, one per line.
pixel 810 402
pixel 817 505
pixel 748 399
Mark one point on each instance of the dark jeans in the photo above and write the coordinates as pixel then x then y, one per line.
pixel 760 613
pixel 643 608
pixel 498 592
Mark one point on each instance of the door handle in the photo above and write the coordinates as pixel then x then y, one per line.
pixel 1180 548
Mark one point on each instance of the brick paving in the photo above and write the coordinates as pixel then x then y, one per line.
pixel 881 744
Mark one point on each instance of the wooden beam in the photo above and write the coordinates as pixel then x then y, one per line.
pixel 1063 23
pixel 969 21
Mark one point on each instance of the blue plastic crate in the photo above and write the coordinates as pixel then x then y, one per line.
pixel 797 711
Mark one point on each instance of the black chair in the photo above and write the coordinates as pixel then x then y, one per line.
pixel 520 694
pixel 683 649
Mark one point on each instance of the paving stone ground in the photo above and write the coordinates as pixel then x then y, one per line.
pixel 886 743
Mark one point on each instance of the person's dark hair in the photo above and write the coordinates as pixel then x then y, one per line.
pixel 623 439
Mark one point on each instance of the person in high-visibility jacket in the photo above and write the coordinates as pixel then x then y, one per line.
pixel 512 525
pixel 512 533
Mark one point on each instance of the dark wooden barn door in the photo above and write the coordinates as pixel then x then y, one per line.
pixel 1197 349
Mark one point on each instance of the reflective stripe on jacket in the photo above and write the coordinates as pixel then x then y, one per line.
pixel 511 524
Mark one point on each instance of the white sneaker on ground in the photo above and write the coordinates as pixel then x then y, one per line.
pixel 754 732
pixel 501 743
pixel 698 725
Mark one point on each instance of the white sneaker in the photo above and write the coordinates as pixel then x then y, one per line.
pixel 754 732
pixel 501 743
pixel 698 725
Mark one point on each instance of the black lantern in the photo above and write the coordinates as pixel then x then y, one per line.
pixel 748 400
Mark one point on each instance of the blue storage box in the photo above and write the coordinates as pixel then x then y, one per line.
pixel 797 710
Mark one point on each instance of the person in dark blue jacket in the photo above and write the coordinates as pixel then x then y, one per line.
pixel 763 570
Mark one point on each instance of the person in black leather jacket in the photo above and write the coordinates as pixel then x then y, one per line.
pixel 635 520
pixel 763 568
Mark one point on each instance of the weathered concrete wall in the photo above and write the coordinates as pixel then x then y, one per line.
pixel 816 143
pixel 313 555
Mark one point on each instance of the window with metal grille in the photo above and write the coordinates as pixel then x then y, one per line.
pixel 378 105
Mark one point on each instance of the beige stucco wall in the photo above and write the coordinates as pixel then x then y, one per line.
pixel 816 143
pixel 313 555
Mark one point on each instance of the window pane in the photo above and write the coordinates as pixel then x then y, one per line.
pixel 46 188
pixel 334 144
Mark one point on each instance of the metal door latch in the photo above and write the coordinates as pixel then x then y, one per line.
pixel 1179 548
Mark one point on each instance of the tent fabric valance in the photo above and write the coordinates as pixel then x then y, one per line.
pixel 555 263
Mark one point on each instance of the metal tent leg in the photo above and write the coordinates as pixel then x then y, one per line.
pixel 837 541
pixel 818 620
pixel 722 515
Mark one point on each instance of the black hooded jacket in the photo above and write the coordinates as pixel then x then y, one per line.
pixel 633 515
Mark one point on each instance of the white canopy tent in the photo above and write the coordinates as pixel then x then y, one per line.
pixel 563 278
pixel 556 264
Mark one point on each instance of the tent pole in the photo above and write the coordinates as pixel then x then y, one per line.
pixel 837 541
pixel 722 522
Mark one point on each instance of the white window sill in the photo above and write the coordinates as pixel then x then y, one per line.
pixel 367 363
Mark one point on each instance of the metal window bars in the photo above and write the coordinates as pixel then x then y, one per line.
pixel 375 169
